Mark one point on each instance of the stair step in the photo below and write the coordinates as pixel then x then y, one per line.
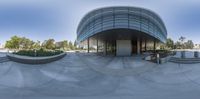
pixel 4 59
pixel 184 60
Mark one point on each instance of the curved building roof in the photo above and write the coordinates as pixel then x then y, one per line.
pixel 109 18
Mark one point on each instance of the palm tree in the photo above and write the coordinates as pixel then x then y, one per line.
pixel 182 40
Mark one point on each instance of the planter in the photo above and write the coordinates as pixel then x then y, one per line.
pixel 34 60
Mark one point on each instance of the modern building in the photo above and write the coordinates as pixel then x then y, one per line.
pixel 196 46
pixel 121 30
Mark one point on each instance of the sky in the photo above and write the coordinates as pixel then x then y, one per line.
pixel 59 19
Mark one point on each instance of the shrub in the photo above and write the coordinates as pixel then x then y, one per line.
pixel 39 53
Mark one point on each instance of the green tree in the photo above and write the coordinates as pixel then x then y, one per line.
pixel 65 45
pixel 13 43
pixel 26 43
pixel 182 40
pixel 170 43
pixel 71 46
pixel 62 45
pixel 49 44
pixel 75 45
pixel 178 45
pixel 36 45
pixel 189 44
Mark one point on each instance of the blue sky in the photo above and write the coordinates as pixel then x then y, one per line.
pixel 58 19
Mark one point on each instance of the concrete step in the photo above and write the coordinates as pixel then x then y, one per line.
pixel 4 59
pixel 184 60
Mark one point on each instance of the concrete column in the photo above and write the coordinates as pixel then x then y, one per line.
pixel 88 43
pixel 115 47
pixel 138 45
pixel 145 45
pixel 105 48
pixel 97 46
pixel 154 46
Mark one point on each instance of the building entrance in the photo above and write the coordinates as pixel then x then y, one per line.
pixel 123 48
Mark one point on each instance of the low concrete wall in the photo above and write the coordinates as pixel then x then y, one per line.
pixel 34 60
pixel 161 60
pixel 164 60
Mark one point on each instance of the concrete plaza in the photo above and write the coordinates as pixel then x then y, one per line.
pixel 88 76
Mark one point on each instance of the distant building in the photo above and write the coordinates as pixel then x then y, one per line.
pixel 1 46
pixel 121 31
pixel 58 44
pixel 196 46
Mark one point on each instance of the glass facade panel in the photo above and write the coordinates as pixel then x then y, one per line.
pixel 121 20
pixel 144 25
pixel 121 17
pixel 151 28
pixel 134 22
